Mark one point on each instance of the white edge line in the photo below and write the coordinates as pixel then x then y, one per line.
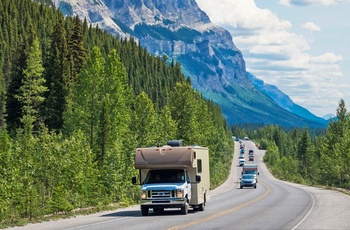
pixel 308 213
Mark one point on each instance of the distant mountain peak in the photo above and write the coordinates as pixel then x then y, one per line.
pixel 328 116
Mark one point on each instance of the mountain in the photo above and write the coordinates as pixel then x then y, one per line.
pixel 180 30
pixel 284 100
pixel 329 116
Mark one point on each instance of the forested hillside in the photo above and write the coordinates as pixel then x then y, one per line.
pixel 75 102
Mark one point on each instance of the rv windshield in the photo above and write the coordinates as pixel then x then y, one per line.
pixel 165 176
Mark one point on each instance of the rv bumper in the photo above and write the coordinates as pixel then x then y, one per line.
pixel 169 203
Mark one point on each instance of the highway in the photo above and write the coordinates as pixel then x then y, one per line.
pixel 274 204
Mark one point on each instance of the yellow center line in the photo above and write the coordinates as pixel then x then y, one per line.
pixel 268 190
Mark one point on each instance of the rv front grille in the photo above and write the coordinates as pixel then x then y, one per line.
pixel 160 201
pixel 161 194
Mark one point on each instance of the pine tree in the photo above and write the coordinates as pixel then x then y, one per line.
pixel 2 101
pixel 13 106
pixel 32 89
pixel 330 159
pixel 76 49
pixel 304 154
pixel 57 78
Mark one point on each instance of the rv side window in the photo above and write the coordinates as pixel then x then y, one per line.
pixel 188 176
pixel 199 165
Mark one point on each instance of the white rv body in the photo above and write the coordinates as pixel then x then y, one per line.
pixel 183 177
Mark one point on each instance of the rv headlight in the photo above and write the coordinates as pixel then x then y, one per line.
pixel 143 194
pixel 179 193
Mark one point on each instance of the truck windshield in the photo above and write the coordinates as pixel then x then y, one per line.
pixel 165 176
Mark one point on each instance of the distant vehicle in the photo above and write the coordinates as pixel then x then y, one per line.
pixel 247 180
pixel 251 151
pixel 245 138
pixel 238 139
pixel 251 169
pixel 242 150
pixel 241 156
pixel 241 162
pixel 251 157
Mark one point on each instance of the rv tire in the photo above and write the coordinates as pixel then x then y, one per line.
pixel 144 211
pixel 184 209
pixel 201 207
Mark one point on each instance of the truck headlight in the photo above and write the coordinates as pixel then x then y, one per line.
pixel 143 194
pixel 179 193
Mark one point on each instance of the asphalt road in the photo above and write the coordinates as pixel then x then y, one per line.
pixel 274 204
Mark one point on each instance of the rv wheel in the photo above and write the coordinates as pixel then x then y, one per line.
pixel 201 207
pixel 184 209
pixel 144 211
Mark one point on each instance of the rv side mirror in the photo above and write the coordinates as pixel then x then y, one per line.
pixel 198 178
pixel 133 179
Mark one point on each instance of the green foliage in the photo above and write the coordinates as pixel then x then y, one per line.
pixel 2 101
pixel 59 201
pixel 166 127
pixel 144 121
pixel 84 111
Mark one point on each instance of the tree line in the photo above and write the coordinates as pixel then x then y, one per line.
pixel 75 102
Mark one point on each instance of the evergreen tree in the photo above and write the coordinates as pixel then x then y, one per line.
pixel 342 151
pixel 2 101
pixel 330 160
pixel 76 49
pixel 32 89
pixel 304 154
pixel 57 78
pixel 13 106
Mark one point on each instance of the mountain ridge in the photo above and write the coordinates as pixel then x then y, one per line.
pixel 180 30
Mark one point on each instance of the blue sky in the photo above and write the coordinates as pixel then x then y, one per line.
pixel 300 46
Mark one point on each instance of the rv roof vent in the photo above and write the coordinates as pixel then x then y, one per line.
pixel 175 143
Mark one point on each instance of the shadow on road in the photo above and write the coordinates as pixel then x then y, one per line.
pixel 151 213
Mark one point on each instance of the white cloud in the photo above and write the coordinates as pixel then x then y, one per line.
pixel 311 26
pixel 241 15
pixel 310 2
pixel 326 58
pixel 278 56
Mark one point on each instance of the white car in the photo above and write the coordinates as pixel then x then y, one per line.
pixel 241 162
